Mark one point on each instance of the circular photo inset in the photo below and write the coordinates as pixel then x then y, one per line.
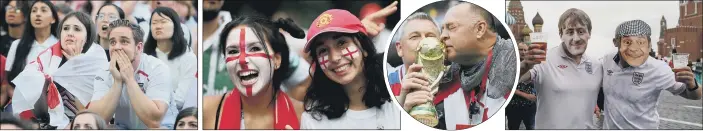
pixel 451 65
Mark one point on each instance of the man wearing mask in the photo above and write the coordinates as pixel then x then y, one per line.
pixel 568 81
pixel 215 77
pixel 135 89
pixel 483 69
pixel 633 81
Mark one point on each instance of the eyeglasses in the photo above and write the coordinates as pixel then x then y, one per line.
pixel 12 8
pixel 110 18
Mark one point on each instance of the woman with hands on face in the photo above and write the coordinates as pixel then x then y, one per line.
pixel 64 72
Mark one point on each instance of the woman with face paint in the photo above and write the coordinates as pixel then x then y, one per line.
pixel 347 90
pixel 257 61
pixel 63 74
pixel 166 42
pixel 106 14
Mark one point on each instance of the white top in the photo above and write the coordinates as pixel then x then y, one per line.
pixel 33 53
pixel 632 93
pixel 214 39
pixel 388 117
pixel 216 63
pixel 183 69
pixel 380 41
pixel 566 91
pixel 152 75
pixel 299 74
pixel 191 99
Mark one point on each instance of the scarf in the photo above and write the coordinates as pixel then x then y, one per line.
pixel 501 74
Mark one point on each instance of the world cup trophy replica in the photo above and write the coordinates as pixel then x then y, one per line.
pixel 431 55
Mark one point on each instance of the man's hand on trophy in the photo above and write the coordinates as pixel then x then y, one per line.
pixel 416 86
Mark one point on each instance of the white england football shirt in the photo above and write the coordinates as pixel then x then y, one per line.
pixel 632 92
pixel 566 91
pixel 153 77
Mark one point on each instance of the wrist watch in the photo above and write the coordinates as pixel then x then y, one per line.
pixel 695 88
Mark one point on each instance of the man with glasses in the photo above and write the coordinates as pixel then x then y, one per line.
pixel 15 12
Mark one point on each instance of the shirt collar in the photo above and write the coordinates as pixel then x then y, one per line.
pixel 50 41
pixel 562 53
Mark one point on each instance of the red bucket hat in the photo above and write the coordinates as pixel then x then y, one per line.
pixel 334 20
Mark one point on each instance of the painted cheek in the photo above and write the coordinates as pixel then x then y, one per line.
pixel 351 52
pixel 324 61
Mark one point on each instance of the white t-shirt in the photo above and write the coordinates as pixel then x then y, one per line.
pixel 182 70
pixel 632 93
pixel 33 53
pixel 566 91
pixel 380 42
pixel 388 117
pixel 153 77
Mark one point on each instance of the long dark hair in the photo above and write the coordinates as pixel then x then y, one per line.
pixel 179 42
pixel 190 111
pixel 267 30
pixel 28 37
pixel 327 97
pixel 89 28
pixel 99 121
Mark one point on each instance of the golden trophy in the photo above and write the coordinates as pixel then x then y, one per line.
pixel 431 55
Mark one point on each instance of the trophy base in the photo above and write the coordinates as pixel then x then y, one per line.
pixel 427 119
pixel 425 114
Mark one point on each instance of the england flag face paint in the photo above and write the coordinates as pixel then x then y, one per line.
pixel 250 67
pixel 339 57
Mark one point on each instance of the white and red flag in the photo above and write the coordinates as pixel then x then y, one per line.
pixel 76 76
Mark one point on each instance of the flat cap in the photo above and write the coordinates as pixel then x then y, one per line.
pixel 633 28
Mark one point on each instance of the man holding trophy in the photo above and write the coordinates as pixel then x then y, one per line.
pixel 474 86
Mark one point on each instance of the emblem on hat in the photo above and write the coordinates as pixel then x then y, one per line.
pixel 637 78
pixel 324 20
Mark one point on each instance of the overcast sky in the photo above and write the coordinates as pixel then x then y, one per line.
pixel 605 17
